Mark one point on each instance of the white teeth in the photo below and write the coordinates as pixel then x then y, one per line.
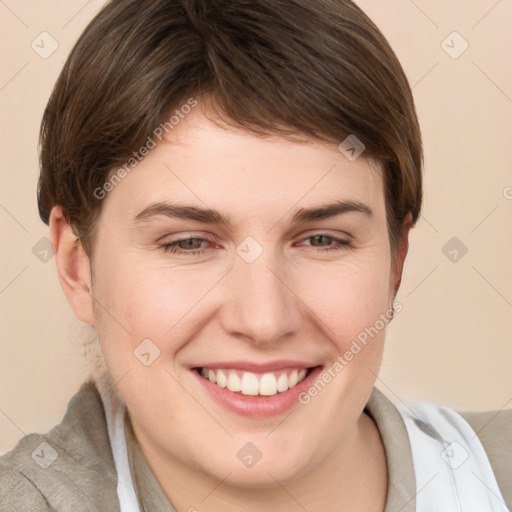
pixel 222 380
pixel 249 385
pixel 282 383
pixel 234 382
pixel 268 384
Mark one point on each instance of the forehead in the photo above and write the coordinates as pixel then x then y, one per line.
pixel 199 162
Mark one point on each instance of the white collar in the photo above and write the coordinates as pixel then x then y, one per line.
pixel 114 413
pixel 452 470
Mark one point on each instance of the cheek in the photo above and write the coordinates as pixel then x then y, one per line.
pixel 157 302
pixel 349 298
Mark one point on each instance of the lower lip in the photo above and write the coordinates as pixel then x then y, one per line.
pixel 258 406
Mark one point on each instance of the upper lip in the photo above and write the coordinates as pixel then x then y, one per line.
pixel 252 366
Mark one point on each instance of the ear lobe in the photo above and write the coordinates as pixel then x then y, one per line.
pixel 73 266
pixel 401 253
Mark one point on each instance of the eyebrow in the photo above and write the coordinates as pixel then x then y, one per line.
pixel 209 216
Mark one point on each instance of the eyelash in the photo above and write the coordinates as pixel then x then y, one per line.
pixel 173 248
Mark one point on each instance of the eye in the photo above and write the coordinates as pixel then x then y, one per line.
pixel 191 245
pixel 328 240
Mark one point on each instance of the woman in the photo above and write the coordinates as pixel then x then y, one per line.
pixel 229 188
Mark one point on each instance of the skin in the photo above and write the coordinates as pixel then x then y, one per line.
pixel 294 301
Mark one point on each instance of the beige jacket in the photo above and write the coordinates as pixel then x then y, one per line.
pixel 71 469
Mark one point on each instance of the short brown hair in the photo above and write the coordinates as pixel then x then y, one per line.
pixel 318 68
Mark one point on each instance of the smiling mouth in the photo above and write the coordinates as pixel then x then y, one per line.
pixel 255 384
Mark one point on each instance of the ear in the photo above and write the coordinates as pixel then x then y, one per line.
pixel 397 264
pixel 73 266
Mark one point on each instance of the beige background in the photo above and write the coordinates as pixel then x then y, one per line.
pixel 451 344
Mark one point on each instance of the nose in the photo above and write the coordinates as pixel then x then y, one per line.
pixel 261 305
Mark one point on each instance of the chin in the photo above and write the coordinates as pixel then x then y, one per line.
pixel 249 468
pixel 261 476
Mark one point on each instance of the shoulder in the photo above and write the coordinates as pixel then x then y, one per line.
pixel 68 468
pixel 494 430
pixel 17 492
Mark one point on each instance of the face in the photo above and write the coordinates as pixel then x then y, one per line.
pixel 217 256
